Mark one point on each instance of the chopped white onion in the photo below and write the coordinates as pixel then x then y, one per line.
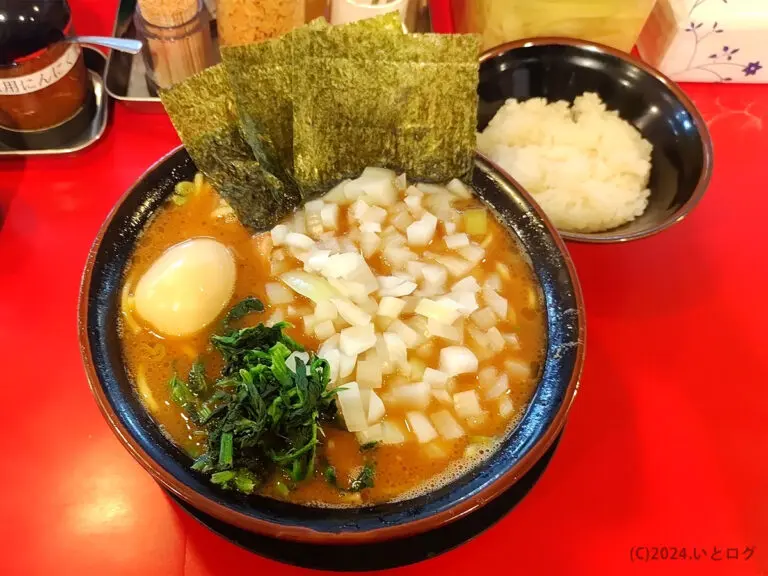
pixel 497 303
pixel 416 395
pixel 467 404
pixel 434 274
pixel 442 311
pixel 459 189
pixel 513 341
pixel 325 310
pixel 313 287
pixel 342 265
pixel 333 357
pixel 351 406
pixel 317 259
pixel 373 433
pixel 277 293
pixel 506 407
pixel 346 365
pixel 493 282
pixel 397 350
pixel 390 307
pixel 357 339
pixel 498 388
pixel 300 241
pixel 329 215
pixel 278 234
pixel 407 334
pixel 496 339
pixel 374 214
pixel 456 360
pixel 395 286
pixel 451 333
pixel 442 396
pixel 414 206
pixel 392 433
pixel 467 303
pixel 351 313
pixel 446 425
pixel 456 266
pixel 473 253
pixel 468 284
pixel 421 232
pixel 324 329
pixel 455 241
pixel 435 378
pixel 421 427
pixel 376 409
pixel 369 373
pixel 369 243
pixel 484 318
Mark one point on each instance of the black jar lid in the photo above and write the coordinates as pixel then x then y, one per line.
pixel 28 26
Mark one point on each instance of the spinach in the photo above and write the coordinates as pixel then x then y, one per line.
pixel 364 479
pixel 259 415
pixel 242 309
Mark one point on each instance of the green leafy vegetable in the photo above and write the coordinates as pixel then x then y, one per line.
pixel 364 479
pixel 198 383
pixel 369 446
pixel 242 309
pixel 259 415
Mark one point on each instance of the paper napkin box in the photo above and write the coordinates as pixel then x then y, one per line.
pixel 708 40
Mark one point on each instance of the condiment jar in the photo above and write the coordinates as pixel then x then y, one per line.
pixel 44 83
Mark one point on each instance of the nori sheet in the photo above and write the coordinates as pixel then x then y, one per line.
pixel 406 102
pixel 262 76
pixel 203 112
pixel 285 119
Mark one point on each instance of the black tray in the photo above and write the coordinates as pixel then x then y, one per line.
pixel 384 555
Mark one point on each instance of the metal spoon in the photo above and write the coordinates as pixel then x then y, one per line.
pixel 122 44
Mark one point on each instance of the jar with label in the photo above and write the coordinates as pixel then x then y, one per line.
pixel 247 21
pixel 43 80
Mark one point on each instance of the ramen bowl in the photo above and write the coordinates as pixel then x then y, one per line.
pixel 524 445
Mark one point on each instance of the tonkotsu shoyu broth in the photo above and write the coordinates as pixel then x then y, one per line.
pixel 424 308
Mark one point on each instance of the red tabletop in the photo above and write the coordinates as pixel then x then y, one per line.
pixel 666 445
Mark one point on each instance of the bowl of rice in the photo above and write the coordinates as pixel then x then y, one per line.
pixel 610 148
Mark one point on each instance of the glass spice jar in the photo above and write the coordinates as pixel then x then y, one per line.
pixel 43 80
pixel 248 21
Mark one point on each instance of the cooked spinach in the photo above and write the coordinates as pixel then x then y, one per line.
pixel 364 479
pixel 242 309
pixel 259 415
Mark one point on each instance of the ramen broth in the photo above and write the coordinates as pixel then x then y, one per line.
pixel 401 469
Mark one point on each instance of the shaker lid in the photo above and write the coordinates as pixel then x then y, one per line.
pixel 27 26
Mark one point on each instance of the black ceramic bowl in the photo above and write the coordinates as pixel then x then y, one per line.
pixel 526 444
pixel 562 69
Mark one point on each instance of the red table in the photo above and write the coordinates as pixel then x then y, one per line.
pixel 666 445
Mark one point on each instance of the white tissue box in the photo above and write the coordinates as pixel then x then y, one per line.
pixel 708 40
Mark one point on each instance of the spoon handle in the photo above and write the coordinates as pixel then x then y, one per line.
pixel 128 45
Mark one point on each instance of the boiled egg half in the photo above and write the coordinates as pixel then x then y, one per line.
pixel 187 287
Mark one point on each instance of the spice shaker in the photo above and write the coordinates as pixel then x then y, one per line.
pixel 45 92
pixel 177 39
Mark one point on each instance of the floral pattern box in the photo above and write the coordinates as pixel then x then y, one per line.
pixel 708 40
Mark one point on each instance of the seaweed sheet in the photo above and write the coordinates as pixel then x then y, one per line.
pixel 406 102
pixel 263 76
pixel 203 112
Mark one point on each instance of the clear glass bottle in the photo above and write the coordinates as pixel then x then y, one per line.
pixel 247 21
pixel 611 22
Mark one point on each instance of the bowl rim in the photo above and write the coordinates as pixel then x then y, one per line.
pixel 302 533
pixel 698 121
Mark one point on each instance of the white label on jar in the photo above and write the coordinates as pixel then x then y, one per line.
pixel 42 78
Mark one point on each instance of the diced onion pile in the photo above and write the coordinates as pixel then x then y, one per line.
pixel 378 330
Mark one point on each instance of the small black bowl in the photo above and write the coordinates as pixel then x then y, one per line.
pixel 563 68
pixel 144 438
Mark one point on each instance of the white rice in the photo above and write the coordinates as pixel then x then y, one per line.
pixel 585 166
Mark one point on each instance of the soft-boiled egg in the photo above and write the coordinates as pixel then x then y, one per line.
pixel 187 287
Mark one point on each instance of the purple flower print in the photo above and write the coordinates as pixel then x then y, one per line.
pixel 751 68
